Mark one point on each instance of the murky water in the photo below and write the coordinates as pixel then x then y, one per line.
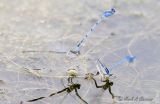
pixel 55 25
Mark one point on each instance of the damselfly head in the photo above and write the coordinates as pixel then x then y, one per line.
pixel 113 10
pixel 72 72
pixel 78 86
pixel 89 76
pixel 111 83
